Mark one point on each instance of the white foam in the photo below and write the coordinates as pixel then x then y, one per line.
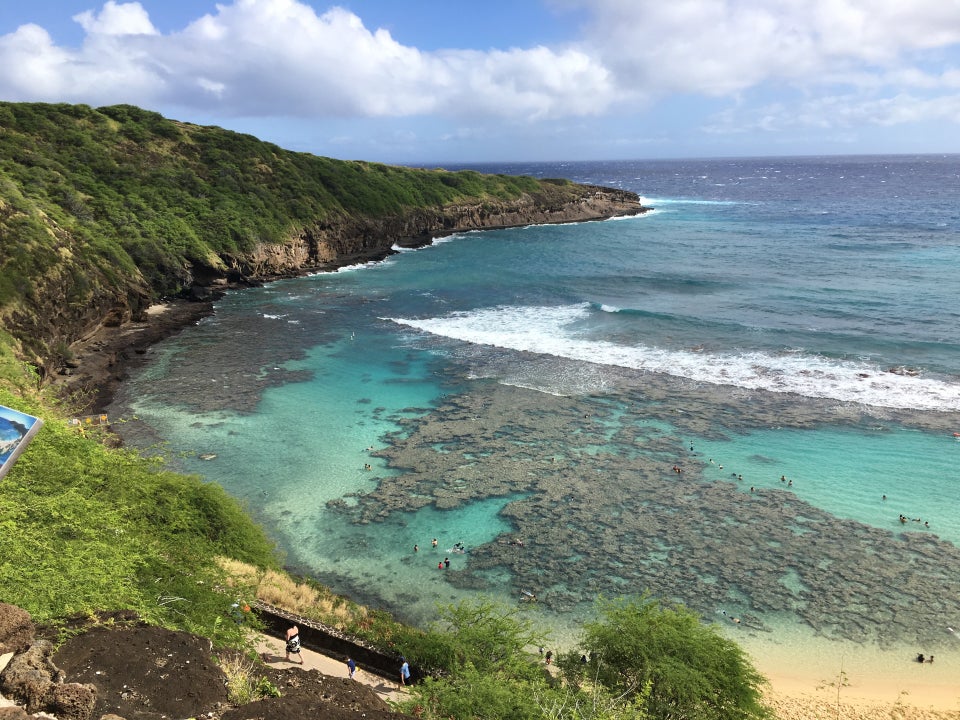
pixel 553 331
pixel 684 201
pixel 433 243
pixel 358 266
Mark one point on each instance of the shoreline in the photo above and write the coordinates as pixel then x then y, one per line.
pixel 104 359
pixel 799 686
pixel 871 684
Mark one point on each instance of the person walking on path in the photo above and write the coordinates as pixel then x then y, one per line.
pixel 351 667
pixel 404 671
pixel 293 643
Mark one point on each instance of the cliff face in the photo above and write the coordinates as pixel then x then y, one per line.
pixel 69 303
pixel 72 302
pixel 95 366
pixel 341 241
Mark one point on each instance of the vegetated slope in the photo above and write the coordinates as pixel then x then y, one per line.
pixel 104 210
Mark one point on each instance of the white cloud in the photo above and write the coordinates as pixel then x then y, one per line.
pixel 719 47
pixel 39 64
pixel 124 19
pixel 846 61
pixel 279 57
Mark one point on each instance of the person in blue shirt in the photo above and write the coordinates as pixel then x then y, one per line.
pixel 404 671
pixel 351 666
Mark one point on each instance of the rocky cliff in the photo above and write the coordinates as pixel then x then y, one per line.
pixel 344 240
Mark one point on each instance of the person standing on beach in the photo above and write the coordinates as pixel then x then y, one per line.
pixel 351 667
pixel 404 671
pixel 293 643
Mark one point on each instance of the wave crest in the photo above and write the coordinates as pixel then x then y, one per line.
pixel 556 331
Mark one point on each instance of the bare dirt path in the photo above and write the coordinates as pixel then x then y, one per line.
pixel 272 652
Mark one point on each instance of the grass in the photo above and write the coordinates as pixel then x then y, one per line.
pixel 243 684
pixel 303 597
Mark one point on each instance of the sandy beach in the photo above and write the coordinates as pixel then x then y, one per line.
pixel 826 680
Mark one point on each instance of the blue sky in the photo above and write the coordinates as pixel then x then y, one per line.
pixel 455 81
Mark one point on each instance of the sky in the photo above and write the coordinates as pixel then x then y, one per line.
pixel 459 81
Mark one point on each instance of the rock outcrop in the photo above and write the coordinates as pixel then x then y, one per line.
pixel 35 683
pixel 344 240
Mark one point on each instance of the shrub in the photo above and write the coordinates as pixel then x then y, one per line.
pixel 692 671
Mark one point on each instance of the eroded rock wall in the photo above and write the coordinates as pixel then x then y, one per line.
pixel 344 240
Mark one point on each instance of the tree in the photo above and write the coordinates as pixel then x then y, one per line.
pixel 488 636
pixel 483 648
pixel 692 671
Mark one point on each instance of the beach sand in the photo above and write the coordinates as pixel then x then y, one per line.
pixel 820 706
pixel 867 684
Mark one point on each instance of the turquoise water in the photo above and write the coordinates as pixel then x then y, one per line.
pixel 849 473
pixel 794 318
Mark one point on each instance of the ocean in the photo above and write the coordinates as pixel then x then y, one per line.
pixel 746 400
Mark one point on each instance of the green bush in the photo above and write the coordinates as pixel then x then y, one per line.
pixel 471 693
pixel 691 670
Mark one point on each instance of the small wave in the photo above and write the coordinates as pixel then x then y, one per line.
pixel 638 216
pixel 359 266
pixel 433 243
pixel 553 331
pixel 684 201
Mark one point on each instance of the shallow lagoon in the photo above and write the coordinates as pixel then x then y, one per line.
pixel 542 383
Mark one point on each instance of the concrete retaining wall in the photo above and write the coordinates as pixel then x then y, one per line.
pixel 330 641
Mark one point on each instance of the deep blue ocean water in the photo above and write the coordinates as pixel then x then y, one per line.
pixel 784 331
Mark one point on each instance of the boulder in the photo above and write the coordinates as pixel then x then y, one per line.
pixel 35 683
pixel 16 629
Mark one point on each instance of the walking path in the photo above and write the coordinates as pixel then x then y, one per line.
pixel 273 652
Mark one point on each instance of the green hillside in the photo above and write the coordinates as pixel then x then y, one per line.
pixel 104 211
pixel 117 206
